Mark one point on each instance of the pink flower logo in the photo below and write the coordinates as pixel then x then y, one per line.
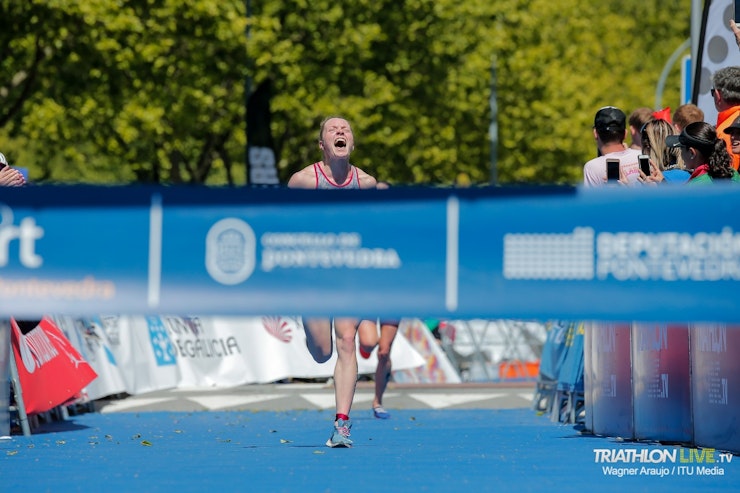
pixel 278 328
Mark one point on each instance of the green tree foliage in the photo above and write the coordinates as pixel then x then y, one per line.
pixel 412 85
pixel 148 91
pixel 558 67
pixel 153 90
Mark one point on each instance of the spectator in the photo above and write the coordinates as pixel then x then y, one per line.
pixel 734 132
pixel 10 177
pixel 736 30
pixel 664 114
pixel 433 326
pixel 726 95
pixel 637 119
pixel 368 333
pixel 685 114
pixel 667 160
pixel 704 154
pixel 609 132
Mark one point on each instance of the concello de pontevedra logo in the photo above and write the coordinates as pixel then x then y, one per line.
pixel 230 251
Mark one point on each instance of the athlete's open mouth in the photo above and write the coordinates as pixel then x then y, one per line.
pixel 340 143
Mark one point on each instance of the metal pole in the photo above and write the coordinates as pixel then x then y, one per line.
pixel 666 70
pixel 493 128
pixel 247 91
pixel 696 18
pixel 18 392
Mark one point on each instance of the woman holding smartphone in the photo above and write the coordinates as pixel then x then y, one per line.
pixel 704 154
pixel 666 160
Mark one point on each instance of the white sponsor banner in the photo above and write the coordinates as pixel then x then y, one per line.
pixel 145 355
pixel 155 353
pixel 228 351
pixel 211 352
pixel 90 338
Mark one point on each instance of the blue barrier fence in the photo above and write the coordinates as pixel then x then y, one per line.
pixel 715 385
pixel 661 382
pixel 674 383
pixel 554 350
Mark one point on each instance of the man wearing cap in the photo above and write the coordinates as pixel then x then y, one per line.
pixel 726 94
pixel 10 177
pixel 609 132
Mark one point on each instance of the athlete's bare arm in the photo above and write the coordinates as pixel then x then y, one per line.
pixel 366 181
pixel 305 178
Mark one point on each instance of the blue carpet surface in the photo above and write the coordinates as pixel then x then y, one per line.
pixel 416 450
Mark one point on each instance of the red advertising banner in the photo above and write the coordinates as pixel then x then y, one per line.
pixel 50 370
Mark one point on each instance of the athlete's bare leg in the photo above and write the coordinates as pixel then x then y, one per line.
pixel 318 338
pixel 345 372
pixel 367 332
pixel 319 342
pixel 383 371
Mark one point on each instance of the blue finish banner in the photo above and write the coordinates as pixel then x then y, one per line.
pixel 305 258
pixel 607 254
pixel 657 254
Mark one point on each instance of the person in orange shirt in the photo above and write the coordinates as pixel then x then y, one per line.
pixel 726 94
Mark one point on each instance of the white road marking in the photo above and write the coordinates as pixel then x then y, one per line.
pixel 439 401
pixel 133 402
pixel 213 402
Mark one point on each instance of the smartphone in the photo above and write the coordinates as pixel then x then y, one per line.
pixel 612 169
pixel 737 12
pixel 644 164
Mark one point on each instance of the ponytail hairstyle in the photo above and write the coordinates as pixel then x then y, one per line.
pixel 712 148
pixel 654 133
pixel 720 162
